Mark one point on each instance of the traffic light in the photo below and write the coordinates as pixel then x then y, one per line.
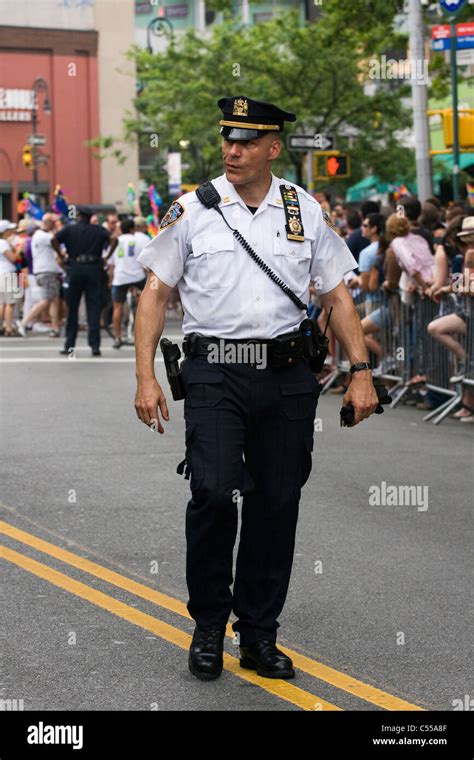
pixel 465 127
pixel 27 156
pixel 337 165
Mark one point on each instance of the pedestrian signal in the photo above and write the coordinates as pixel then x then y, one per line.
pixel 337 166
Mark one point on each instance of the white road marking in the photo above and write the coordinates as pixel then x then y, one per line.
pixel 66 360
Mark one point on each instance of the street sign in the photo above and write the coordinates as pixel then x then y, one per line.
pixel 441 31
pixel 36 140
pixel 310 142
pixel 452 7
pixel 462 43
pixel 465 57
pixel 441 36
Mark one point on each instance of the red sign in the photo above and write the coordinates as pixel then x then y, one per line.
pixel 440 32
pixel 443 31
pixel 465 30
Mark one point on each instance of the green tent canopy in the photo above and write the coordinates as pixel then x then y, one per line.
pixel 370 186
pixel 465 160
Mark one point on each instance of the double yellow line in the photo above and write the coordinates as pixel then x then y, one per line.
pixel 282 689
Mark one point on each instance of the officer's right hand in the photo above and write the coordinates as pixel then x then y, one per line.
pixel 148 398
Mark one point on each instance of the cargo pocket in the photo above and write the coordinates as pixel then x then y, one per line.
pixel 299 399
pixel 190 467
pixel 204 389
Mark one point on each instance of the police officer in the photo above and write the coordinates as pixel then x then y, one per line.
pixel 249 424
pixel 84 243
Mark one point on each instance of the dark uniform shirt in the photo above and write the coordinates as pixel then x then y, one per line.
pixel 84 239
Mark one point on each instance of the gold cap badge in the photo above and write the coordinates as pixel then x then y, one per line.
pixel 241 107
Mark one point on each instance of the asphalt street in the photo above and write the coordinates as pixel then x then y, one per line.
pixel 92 522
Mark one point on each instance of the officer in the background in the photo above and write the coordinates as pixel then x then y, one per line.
pixel 84 243
pixel 249 426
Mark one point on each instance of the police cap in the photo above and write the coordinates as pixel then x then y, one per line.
pixel 247 119
pixel 85 211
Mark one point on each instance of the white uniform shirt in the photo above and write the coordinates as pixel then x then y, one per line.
pixel 223 292
pixel 125 263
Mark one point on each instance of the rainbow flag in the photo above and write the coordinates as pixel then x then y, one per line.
pixel 152 226
pixel 60 204
pixel 131 197
pixel 470 193
pixel 32 209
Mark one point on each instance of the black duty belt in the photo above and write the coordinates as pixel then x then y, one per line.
pixel 283 350
pixel 84 258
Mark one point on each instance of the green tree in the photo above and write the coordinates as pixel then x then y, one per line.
pixel 317 70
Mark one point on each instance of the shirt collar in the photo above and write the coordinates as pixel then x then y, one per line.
pixel 229 194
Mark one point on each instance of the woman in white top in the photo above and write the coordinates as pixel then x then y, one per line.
pixel 8 278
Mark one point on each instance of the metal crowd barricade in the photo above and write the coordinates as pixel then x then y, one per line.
pixel 440 365
pixel 423 356
pixel 408 350
pixel 463 371
pixel 392 336
pixel 468 379
pixel 340 361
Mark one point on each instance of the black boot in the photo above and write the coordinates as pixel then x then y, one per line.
pixel 267 660
pixel 206 653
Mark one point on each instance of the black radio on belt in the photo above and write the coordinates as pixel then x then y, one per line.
pixel 315 344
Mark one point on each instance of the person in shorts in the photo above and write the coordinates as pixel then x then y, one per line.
pixel 126 273
pixel 45 270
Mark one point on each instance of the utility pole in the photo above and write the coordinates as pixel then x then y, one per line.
pixel 419 88
pixel 201 16
pixel 454 88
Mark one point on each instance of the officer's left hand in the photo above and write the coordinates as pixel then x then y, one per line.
pixel 362 395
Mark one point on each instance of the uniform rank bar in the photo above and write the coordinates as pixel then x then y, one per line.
pixel 294 225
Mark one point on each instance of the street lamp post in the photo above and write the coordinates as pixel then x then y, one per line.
pixel 159 26
pixel 39 85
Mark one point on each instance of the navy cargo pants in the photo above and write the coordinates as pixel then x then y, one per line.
pixel 249 438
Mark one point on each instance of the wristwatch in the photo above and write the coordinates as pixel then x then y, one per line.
pixel 359 367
